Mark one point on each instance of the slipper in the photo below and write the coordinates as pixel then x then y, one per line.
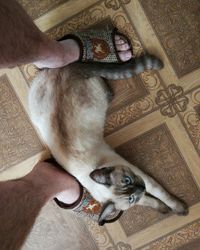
pixel 98 44
pixel 87 206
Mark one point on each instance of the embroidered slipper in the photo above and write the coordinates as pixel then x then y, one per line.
pixel 87 206
pixel 98 44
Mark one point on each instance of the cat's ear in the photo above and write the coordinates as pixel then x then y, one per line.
pixel 107 210
pixel 102 175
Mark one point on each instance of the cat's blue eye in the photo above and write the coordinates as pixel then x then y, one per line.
pixel 128 180
pixel 131 199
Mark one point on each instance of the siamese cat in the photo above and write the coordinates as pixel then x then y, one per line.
pixel 68 106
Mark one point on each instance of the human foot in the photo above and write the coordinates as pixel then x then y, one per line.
pixel 71 49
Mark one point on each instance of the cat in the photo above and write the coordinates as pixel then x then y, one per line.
pixel 68 106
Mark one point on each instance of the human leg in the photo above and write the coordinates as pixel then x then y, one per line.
pixel 24 43
pixel 21 201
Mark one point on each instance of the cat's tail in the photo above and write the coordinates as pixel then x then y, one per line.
pixel 121 71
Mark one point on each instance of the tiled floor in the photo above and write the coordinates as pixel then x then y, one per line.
pixel 154 122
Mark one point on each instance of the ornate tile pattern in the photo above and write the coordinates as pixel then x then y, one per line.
pixel 177 25
pixel 62 230
pixel 126 91
pixel 191 117
pixel 37 8
pixel 17 136
pixel 171 100
pixel 197 109
pixel 156 153
pixel 133 109
pixel 186 238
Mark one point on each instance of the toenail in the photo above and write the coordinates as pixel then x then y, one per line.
pixel 120 41
pixel 117 37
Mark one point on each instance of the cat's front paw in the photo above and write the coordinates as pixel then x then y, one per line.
pixel 181 208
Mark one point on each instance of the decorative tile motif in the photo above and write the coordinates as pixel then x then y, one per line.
pixel 94 15
pixel 28 71
pixel 100 234
pixel 191 117
pixel 183 239
pixel 115 4
pixel 37 8
pixel 194 245
pixel 127 91
pixel 156 153
pixel 197 109
pixel 132 109
pixel 58 229
pixel 171 100
pixel 17 136
pixel 120 246
pixel 177 25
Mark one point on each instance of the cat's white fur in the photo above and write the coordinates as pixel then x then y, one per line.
pixel 84 105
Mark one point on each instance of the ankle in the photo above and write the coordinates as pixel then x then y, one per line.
pixel 55 54
pixel 50 52
pixel 53 181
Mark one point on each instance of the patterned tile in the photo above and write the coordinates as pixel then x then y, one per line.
pixel 185 238
pixel 197 109
pixel 134 106
pixel 36 8
pixel 157 154
pixel 191 117
pixel 61 230
pixel 28 71
pixel 18 138
pixel 177 26
pixel 171 100
pixel 126 91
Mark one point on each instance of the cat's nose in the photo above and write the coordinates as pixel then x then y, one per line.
pixel 140 188
pixel 140 185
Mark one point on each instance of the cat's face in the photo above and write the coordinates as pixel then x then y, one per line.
pixel 127 188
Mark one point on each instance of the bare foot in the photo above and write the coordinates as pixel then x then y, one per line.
pixel 59 54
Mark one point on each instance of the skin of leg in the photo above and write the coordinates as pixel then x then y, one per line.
pixel 21 201
pixel 24 43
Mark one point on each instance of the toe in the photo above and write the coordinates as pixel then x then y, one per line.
pixel 120 41
pixel 117 37
pixel 123 47
pixel 125 55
